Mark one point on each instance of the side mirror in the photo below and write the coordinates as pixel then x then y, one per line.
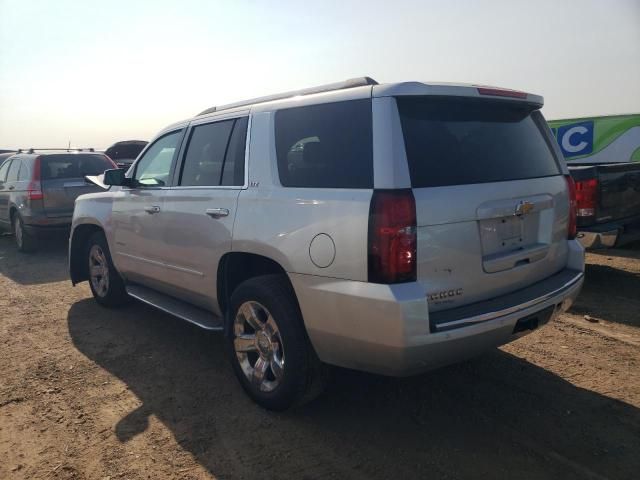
pixel 116 177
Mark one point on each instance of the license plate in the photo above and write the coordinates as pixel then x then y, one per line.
pixel 510 231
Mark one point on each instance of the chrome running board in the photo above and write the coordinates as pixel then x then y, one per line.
pixel 178 308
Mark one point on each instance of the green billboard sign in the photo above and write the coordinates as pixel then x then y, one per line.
pixel 608 139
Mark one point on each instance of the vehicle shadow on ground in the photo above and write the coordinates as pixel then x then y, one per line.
pixel 45 265
pixel 494 417
pixel 604 284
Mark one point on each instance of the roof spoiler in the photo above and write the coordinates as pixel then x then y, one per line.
pixel 329 87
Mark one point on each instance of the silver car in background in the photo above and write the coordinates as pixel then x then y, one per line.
pixel 38 189
pixel 386 228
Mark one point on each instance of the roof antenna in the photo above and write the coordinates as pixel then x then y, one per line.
pixel 69 146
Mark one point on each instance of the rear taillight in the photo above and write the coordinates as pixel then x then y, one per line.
pixel 34 189
pixel 392 237
pixel 586 197
pixel 573 227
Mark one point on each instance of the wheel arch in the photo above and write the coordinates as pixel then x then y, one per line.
pixel 80 234
pixel 237 267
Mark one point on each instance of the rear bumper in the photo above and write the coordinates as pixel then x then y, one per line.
pixel 50 226
pixel 609 235
pixel 386 329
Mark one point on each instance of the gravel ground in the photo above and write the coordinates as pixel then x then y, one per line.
pixel 90 393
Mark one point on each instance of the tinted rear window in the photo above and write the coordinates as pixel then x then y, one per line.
pixel 325 146
pixel 76 165
pixel 463 141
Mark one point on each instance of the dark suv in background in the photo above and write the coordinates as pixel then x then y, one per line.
pixel 38 190
pixel 124 153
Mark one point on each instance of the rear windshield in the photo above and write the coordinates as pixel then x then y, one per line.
pixel 463 141
pixel 325 146
pixel 75 165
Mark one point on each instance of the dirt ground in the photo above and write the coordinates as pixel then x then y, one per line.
pixel 90 393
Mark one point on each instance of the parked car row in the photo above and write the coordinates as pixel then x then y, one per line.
pixel 38 190
pixel 386 228
pixel 38 187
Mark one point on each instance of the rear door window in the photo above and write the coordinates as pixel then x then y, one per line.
pixel 463 141
pixel 215 154
pixel 204 159
pixel 73 165
pixel 325 146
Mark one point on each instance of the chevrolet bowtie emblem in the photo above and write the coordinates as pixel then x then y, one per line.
pixel 523 208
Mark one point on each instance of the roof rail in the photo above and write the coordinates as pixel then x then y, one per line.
pixel 350 83
pixel 33 150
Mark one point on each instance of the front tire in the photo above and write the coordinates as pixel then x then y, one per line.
pixel 268 346
pixel 25 242
pixel 106 283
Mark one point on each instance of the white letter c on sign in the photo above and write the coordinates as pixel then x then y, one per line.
pixel 566 140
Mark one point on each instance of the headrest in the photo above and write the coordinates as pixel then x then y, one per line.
pixel 314 153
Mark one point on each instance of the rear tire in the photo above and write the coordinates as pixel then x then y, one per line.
pixel 105 282
pixel 25 242
pixel 263 325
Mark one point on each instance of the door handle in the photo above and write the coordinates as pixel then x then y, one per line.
pixel 152 209
pixel 217 212
pixel 12 187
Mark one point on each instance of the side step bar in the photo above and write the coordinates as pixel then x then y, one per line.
pixel 183 310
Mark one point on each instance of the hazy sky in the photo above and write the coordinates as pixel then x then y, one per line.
pixel 95 72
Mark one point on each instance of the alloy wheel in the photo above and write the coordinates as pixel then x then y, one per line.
pixel 258 346
pixel 98 270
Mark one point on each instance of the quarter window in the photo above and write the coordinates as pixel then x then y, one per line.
pixel 325 146
pixel 3 170
pixel 154 168
pixel 23 174
pixel 13 171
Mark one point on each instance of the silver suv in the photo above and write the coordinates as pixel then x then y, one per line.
pixel 386 228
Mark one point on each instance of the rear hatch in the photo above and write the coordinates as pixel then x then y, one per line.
pixel 62 179
pixel 491 201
